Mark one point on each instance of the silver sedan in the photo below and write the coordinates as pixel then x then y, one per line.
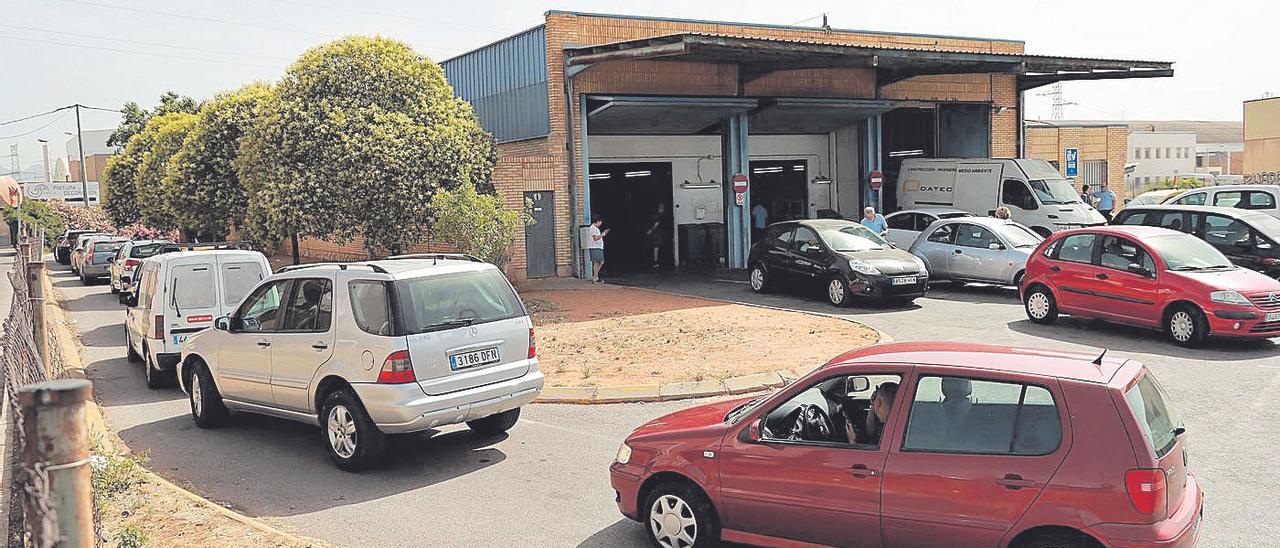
pixel 976 249
pixel 905 225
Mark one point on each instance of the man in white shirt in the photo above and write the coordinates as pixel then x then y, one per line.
pixel 595 247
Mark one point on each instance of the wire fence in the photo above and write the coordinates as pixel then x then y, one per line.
pixel 30 515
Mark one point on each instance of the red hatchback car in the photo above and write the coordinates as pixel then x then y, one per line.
pixel 918 445
pixel 1152 277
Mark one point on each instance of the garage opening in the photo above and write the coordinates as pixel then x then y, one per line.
pixel 780 186
pixel 635 201
pixel 907 133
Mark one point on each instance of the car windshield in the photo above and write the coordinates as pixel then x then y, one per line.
pixel 1019 236
pixel 434 303
pixel 1054 191
pixel 954 214
pixel 1269 226
pixel 852 238
pixel 1186 252
pixel 743 410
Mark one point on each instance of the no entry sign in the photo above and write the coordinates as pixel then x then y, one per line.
pixel 739 183
pixel 877 180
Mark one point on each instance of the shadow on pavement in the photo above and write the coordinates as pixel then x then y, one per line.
pixel 974 293
pixel 624 532
pixel 116 382
pixel 800 297
pixel 105 335
pixel 1129 338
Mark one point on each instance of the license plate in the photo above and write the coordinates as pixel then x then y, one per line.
pixel 178 339
pixel 472 359
pixel 1272 317
pixel 904 280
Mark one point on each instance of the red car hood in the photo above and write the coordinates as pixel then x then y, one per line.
pixel 681 423
pixel 1239 279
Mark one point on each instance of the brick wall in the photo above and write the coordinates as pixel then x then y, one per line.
pixel 1110 143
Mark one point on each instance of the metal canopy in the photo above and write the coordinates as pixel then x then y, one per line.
pixel 660 115
pixel 813 116
pixel 757 57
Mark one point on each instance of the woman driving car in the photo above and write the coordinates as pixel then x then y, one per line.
pixel 881 404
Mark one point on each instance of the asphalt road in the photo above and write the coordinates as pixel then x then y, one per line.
pixel 545 483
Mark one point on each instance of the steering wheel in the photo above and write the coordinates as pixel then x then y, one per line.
pixel 811 424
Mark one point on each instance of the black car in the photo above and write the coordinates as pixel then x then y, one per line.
pixel 843 256
pixel 1248 238
pixel 62 253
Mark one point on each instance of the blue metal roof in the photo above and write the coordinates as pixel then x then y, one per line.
pixel 506 83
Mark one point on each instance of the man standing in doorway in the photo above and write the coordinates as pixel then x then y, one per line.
pixel 657 233
pixel 595 247
pixel 1105 201
pixel 759 220
pixel 874 221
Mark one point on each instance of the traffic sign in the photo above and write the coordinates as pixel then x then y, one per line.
pixel 877 180
pixel 1071 159
pixel 739 183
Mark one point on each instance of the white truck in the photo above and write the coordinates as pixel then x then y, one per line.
pixel 1036 195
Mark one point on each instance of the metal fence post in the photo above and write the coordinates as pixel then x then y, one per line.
pixel 39 329
pixel 24 252
pixel 56 454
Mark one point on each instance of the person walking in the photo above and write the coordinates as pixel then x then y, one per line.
pixel 595 247
pixel 1003 213
pixel 1104 201
pixel 1085 196
pixel 759 219
pixel 657 234
pixel 875 221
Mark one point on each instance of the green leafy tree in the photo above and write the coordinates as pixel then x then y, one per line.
pixel 38 216
pixel 133 118
pixel 204 191
pixel 119 175
pixel 358 137
pixel 475 224
pixel 154 197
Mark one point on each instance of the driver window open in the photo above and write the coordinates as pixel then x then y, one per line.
pixel 837 411
pixel 261 312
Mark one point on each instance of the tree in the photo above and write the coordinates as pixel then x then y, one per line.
pixel 356 140
pixel 120 175
pixel 205 194
pixel 475 224
pixel 134 118
pixel 39 216
pixel 155 199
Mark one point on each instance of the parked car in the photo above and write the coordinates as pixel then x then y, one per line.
pixel 95 261
pixel 923 444
pixel 77 249
pixel 66 242
pixel 1256 197
pixel 127 259
pixel 401 345
pixel 905 225
pixel 1150 277
pixel 1248 238
pixel 842 256
pixel 1033 190
pixel 180 293
pixel 976 249
pixel 1152 197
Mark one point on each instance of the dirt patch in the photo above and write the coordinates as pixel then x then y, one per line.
pixel 616 336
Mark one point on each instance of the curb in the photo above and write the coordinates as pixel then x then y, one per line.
pixel 745 384
pixel 97 421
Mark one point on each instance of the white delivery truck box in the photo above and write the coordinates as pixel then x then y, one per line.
pixel 1034 192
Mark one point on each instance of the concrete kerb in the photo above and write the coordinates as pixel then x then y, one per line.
pixel 745 384
pixel 68 342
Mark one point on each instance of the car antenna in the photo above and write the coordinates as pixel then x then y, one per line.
pixel 1098 360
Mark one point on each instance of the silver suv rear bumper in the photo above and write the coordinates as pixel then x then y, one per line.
pixel 401 408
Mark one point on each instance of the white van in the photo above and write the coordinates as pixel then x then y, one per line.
pixel 1262 198
pixel 1033 190
pixel 180 293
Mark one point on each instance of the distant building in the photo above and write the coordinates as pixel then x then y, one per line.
pixel 1262 140
pixel 1160 155
pixel 96 153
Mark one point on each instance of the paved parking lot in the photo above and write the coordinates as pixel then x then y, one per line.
pixel 545 483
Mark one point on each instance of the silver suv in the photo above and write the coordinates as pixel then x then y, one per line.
pixel 368 349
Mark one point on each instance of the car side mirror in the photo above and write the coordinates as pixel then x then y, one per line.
pixel 995 246
pixel 129 299
pixel 753 432
pixel 1243 244
pixel 222 323
pixel 1139 269
pixel 854 385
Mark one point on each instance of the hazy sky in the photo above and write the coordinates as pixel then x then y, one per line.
pixel 106 52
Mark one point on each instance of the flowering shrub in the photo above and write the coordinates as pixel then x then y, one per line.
pixel 80 217
pixel 138 231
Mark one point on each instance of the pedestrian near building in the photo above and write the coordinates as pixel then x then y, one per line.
pixel 595 247
pixel 759 220
pixel 1085 196
pixel 874 221
pixel 1104 201
pixel 1003 212
pixel 657 234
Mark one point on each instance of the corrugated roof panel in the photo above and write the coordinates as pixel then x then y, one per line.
pixel 506 83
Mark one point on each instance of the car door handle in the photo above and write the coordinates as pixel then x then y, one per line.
pixel 1102 276
pixel 264 343
pixel 862 471
pixel 319 346
pixel 958 252
pixel 1015 482
pixel 1055 268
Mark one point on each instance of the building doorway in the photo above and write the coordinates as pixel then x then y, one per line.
pixel 907 133
pixel 628 196
pixel 781 187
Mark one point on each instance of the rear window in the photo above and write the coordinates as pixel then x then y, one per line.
pixel 144 251
pixel 1157 420
pixel 191 287
pixel 107 247
pixel 370 308
pixel 435 302
pixel 238 279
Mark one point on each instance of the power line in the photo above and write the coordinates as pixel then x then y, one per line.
pixel 25 133
pixel 136 52
pixel 141 43
pixel 25 118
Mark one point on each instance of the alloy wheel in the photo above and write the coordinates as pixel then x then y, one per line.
pixel 197 396
pixel 1181 326
pixel 1038 305
pixel 835 291
pixel 342 431
pixel 757 278
pixel 673 522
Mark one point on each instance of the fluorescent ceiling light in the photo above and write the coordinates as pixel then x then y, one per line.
pixel 900 153
pixel 638 174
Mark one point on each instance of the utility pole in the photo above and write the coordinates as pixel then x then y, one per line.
pixel 1056 96
pixel 48 174
pixel 84 178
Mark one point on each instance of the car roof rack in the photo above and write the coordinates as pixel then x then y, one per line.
pixel 206 246
pixel 438 256
pixel 341 266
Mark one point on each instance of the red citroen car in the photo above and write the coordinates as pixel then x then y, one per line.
pixel 919 445
pixel 1152 277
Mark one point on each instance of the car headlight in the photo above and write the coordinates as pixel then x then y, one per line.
pixel 1228 297
pixel 920 264
pixel 624 454
pixel 862 267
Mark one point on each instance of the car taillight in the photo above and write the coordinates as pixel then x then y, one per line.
pixel 1146 489
pixel 1269 261
pixel 88 256
pixel 533 344
pixel 396 369
pixel 158 327
pixel 131 264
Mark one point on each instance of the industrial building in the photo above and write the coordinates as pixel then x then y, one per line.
pixel 1262 140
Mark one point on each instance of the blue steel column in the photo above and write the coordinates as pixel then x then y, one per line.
pixel 586 184
pixel 736 160
pixel 874 150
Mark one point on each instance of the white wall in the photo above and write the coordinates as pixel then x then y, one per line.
pixel 1142 142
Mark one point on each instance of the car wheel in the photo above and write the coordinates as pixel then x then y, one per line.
pixel 353 441
pixel 1059 539
pixel 1017 278
pixel 207 409
pixel 679 516
pixel 759 279
pixel 1187 326
pixel 1041 307
pixel 493 425
pixel 156 378
pixel 130 353
pixel 837 292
